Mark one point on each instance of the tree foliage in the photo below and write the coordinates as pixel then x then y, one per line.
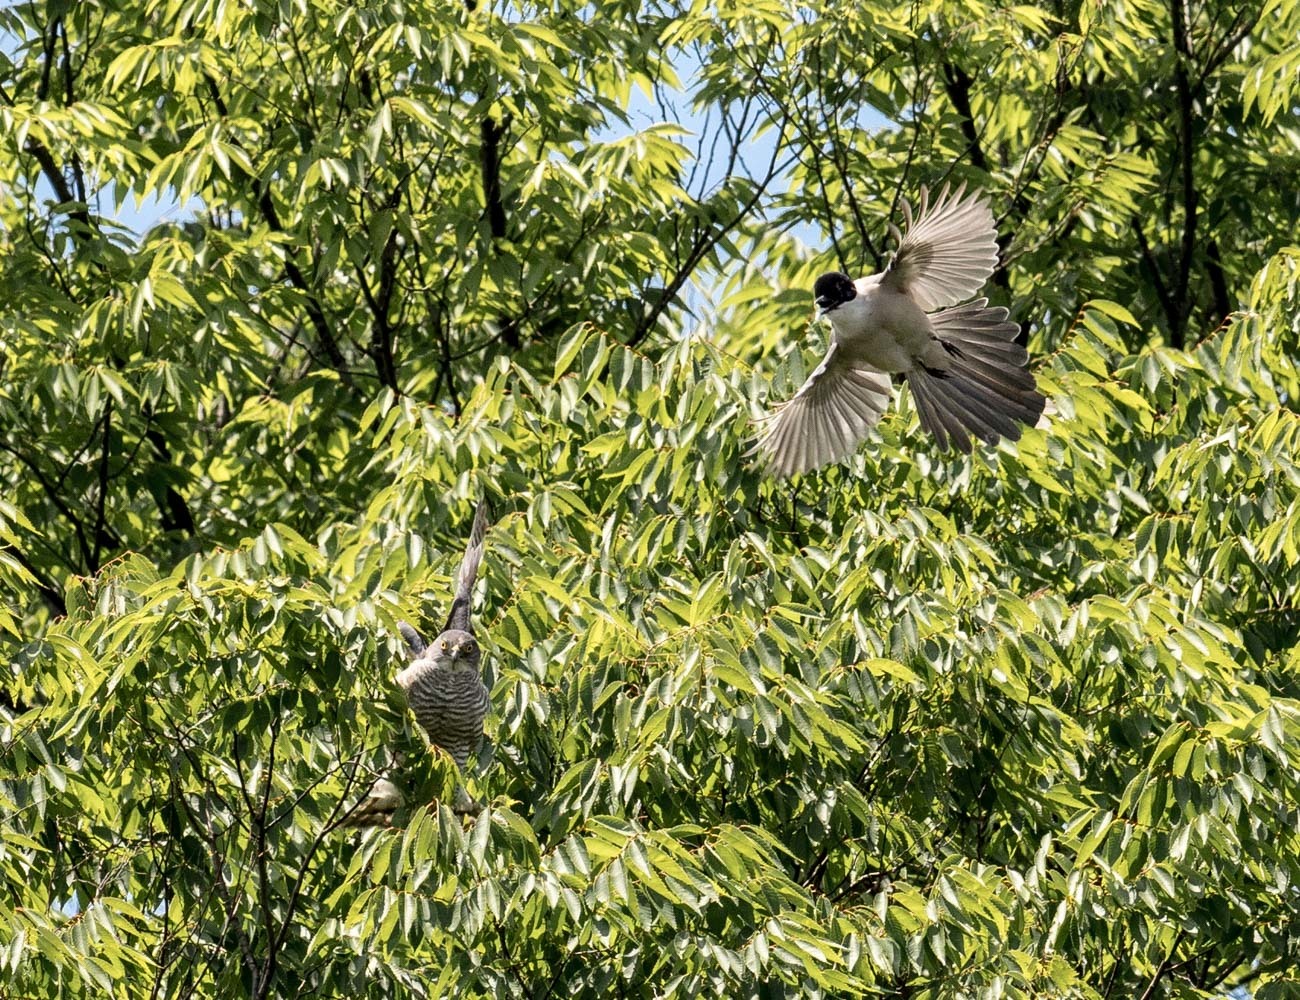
pixel 1023 723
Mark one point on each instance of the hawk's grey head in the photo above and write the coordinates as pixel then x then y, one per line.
pixel 455 649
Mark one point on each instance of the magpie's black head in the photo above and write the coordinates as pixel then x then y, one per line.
pixel 832 290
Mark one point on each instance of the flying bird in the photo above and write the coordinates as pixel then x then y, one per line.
pixel 967 373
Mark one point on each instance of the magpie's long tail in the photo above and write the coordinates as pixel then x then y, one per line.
pixel 984 388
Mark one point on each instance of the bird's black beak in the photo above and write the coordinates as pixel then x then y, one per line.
pixel 824 305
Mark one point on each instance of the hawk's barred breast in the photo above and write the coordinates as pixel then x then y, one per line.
pixel 450 706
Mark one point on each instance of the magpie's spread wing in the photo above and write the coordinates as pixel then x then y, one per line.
pixel 948 252
pixel 826 419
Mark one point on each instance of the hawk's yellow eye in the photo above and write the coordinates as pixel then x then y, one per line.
pixel 444 645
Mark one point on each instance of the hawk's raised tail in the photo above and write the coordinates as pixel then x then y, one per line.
pixel 461 604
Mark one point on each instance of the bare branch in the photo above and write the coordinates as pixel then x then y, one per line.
pixel 102 501
pixel 1183 58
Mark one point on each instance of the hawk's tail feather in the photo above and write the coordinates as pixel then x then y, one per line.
pixel 377 808
pixel 461 605
pixel 985 390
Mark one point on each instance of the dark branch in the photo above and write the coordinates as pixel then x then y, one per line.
pixel 491 134
pixel 707 237
pixel 381 326
pixel 957 83
pixel 69 97
pixel 1166 302
pixel 311 304
pixel 1235 35
pixel 1183 58
pixel 174 511
pixel 1218 284
pixel 102 504
pixel 50 593
pixel 1164 966
pixel 840 157
pixel 490 161
pixel 52 492
pixel 54 176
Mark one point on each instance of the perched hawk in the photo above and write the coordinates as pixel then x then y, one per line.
pixel 443 684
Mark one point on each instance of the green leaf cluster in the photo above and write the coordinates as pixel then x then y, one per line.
pixel 1016 724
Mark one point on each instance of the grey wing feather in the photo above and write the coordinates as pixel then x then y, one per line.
pixel 826 419
pixel 985 390
pixel 948 252
pixel 462 604
pixel 413 641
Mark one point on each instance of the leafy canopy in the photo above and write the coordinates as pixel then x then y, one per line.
pixel 1016 724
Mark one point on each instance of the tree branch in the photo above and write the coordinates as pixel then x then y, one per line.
pixel 1166 301
pixel 957 85
pixel 1183 58
pixel 49 167
pixel 61 505
pixel 69 97
pixel 310 303
pixel 381 327
pixel 1234 36
pixel 491 133
pixel 54 176
pixel 223 890
pixel 312 306
pixel 1115 967
pixel 702 244
pixel 840 157
pixel 257 820
pixel 102 503
pixel 1218 284
pixel 490 162
pixel 1164 965
pixel 175 512
pixel 51 594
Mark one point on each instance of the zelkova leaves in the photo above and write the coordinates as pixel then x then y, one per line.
pixel 1017 724
pixel 908 736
